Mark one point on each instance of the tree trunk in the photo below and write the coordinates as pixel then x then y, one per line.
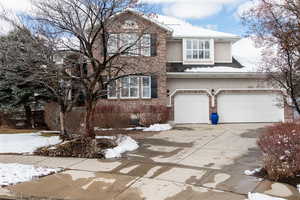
pixel 88 118
pixel 63 132
pixel 296 104
pixel 28 116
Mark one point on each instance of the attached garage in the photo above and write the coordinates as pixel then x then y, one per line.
pixel 250 107
pixel 191 108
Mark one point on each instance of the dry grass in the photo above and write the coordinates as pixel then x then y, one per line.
pixel 136 134
pixel 17 131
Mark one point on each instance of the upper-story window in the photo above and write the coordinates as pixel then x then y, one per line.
pixel 198 49
pixel 133 43
pixel 130 43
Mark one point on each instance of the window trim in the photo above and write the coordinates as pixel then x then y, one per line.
pixel 204 60
pixel 137 48
pixel 133 50
pixel 148 45
pixel 142 87
pixel 129 88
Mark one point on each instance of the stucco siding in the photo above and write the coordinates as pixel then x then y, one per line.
pixel 174 51
pixel 182 83
pixel 223 52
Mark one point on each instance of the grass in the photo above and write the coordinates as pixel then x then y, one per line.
pixel 16 131
pixel 49 134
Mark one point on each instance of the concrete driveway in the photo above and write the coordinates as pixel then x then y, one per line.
pixel 189 162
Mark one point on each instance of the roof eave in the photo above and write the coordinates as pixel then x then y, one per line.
pixel 233 39
pixel 246 75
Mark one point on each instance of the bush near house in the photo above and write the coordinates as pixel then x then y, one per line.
pixel 109 116
pixel 281 147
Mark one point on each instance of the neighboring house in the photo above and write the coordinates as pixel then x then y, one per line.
pixel 200 72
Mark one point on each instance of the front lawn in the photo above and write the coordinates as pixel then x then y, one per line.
pixel 25 142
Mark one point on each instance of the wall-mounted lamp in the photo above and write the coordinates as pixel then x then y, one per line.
pixel 212 92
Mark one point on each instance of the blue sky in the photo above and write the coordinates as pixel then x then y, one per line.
pixel 220 15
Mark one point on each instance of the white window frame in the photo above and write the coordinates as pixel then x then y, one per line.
pixel 196 47
pixel 130 87
pixel 198 60
pixel 146 45
pixel 142 87
pixel 113 49
pixel 124 43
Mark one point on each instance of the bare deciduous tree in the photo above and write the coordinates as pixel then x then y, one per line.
pixel 275 26
pixel 84 27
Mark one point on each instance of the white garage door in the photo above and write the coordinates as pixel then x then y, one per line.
pixel 251 107
pixel 191 108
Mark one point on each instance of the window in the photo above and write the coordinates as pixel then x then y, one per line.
pixel 146 87
pixel 112 44
pixel 130 24
pixel 198 49
pixel 112 90
pixel 130 87
pixel 146 45
pixel 138 46
pixel 130 43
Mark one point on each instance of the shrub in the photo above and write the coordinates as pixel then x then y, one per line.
pixel 111 116
pixel 52 116
pixel 73 119
pixel 280 144
pixel 152 114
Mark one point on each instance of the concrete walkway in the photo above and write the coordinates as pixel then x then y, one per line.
pixel 188 162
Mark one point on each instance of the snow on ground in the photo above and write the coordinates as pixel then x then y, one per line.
pixel 125 143
pixel 16 173
pixel 252 172
pixel 154 127
pixel 126 129
pixel 258 196
pixel 25 143
pixel 159 127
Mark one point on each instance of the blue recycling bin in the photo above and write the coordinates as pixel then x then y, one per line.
pixel 214 118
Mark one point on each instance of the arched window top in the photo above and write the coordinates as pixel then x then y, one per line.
pixel 130 24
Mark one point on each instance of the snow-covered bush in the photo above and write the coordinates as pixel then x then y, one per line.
pixel 280 144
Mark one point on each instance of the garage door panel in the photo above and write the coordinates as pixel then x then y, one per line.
pixel 247 107
pixel 191 108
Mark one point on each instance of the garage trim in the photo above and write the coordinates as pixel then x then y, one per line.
pixel 171 101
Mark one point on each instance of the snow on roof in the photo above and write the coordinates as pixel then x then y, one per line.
pixel 245 52
pixel 182 28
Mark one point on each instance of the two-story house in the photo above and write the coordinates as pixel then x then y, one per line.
pixel 198 75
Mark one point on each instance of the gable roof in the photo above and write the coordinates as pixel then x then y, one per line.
pixel 181 29
pixel 144 16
